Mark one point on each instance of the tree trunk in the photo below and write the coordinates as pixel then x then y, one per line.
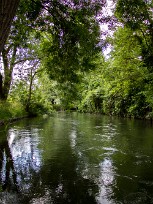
pixel 8 68
pixel 7 12
pixel 30 90
pixel 1 86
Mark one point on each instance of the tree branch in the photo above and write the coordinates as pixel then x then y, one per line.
pixel 24 60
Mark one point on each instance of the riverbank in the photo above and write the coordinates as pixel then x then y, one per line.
pixel 5 122
pixel 10 112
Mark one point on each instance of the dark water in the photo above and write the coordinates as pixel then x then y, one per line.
pixel 76 158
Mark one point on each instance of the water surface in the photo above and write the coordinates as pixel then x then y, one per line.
pixel 76 158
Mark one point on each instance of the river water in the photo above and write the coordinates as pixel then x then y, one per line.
pixel 76 158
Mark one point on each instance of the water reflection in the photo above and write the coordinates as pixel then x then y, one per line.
pixel 42 173
pixel 76 158
pixel 8 174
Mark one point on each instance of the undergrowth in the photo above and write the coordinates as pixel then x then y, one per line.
pixel 11 110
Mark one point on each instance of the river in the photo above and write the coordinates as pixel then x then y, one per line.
pixel 76 158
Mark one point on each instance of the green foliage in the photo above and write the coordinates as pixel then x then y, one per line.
pixel 92 88
pixel 73 72
pixel 70 36
pixel 73 42
pixel 137 15
pixel 10 110
pixel 126 77
pixel 65 64
pixel 119 85
pixel 133 13
pixel 92 102
pixel 5 111
pixel 41 95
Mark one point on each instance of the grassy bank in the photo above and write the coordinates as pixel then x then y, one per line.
pixel 11 111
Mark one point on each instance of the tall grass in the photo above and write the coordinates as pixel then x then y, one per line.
pixel 10 110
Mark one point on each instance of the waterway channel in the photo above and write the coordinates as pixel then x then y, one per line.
pixel 76 158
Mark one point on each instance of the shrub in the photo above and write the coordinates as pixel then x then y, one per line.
pixel 11 110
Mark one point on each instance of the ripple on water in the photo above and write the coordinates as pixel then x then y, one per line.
pixel 141 159
pixel 108 151
pixel 146 182
pixel 138 198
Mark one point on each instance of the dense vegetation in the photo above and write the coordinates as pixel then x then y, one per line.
pixel 53 59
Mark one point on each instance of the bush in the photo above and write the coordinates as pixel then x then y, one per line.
pixel 11 110
pixel 92 102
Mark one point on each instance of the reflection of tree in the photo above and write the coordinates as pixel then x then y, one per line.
pixel 59 182
pixel 133 164
pixel 67 185
pixel 53 176
pixel 6 164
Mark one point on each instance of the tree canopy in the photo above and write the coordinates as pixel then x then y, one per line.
pixel 62 42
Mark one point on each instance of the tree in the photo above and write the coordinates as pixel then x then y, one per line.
pixel 126 76
pixel 91 89
pixel 71 49
pixel 36 92
pixel 74 32
pixel 17 49
pixel 17 61
pixel 137 15
pixel 7 12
